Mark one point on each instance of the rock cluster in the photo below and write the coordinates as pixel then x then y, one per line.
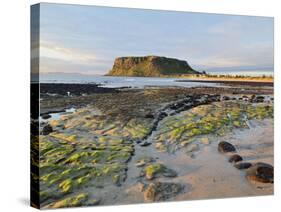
pixel 257 172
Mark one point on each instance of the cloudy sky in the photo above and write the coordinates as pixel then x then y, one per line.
pixel 87 39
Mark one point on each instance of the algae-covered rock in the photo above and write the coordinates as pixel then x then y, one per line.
pixel 161 191
pixel 144 161
pixel 72 201
pixel 213 119
pixel 157 170
pixel 191 148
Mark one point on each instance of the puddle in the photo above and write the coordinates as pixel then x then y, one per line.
pixel 56 116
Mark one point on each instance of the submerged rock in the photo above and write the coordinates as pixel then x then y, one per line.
pixel 160 191
pixel 226 147
pixel 144 161
pixel 235 158
pixel 244 165
pixel 205 141
pixel 260 172
pixel 157 170
pixel 191 148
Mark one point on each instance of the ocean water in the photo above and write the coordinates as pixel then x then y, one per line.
pixel 117 82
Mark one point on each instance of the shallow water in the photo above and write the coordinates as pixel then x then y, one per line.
pixel 56 116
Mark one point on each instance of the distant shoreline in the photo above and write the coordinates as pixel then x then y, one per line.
pixel 232 82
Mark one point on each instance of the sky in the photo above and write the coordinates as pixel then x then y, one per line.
pixel 87 39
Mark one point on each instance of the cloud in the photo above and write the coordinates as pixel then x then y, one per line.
pixel 55 57
pixel 51 65
pixel 56 51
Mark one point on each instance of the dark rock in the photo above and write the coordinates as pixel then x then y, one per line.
pixel 243 165
pixel 261 172
pixel 47 129
pixel 145 144
pixel 267 107
pixel 235 158
pixel 225 98
pixel 46 116
pixel 162 115
pixel 224 146
pixel 245 98
pixel 149 116
pixel 259 99
pixel 253 97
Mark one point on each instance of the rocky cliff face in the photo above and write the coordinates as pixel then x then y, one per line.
pixel 149 66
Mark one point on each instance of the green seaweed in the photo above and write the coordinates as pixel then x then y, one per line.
pixel 72 201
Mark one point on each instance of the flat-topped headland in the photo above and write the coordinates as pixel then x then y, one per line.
pixel 150 66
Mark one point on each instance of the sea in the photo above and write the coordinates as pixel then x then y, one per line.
pixel 118 82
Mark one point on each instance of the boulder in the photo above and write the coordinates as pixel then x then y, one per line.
pixel 224 147
pixel 235 158
pixel 47 130
pixel 261 172
pixel 244 165
pixel 259 99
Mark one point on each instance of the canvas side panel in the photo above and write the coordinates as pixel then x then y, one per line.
pixel 34 106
